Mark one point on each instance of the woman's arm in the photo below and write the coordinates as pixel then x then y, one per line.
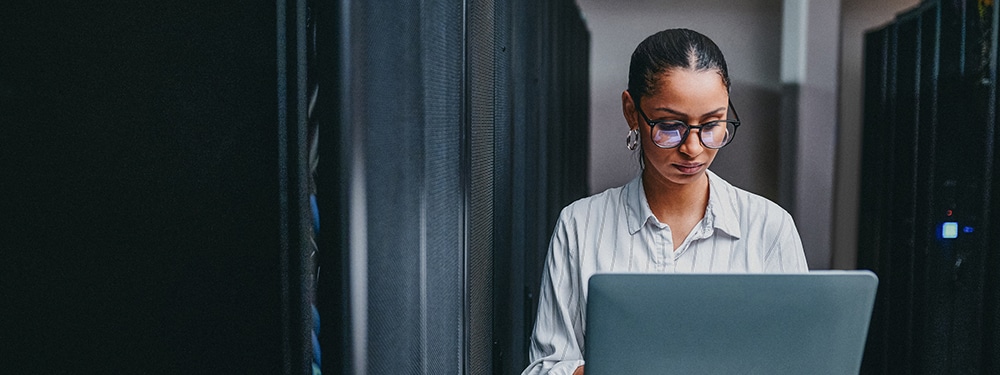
pixel 786 254
pixel 557 339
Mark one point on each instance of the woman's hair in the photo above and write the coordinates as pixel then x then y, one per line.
pixel 672 49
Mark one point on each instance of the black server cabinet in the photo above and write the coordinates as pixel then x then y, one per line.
pixel 873 196
pixel 151 208
pixel 454 132
pixel 928 155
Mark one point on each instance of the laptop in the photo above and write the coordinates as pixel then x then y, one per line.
pixel 809 323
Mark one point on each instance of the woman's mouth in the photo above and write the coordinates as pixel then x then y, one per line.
pixel 689 168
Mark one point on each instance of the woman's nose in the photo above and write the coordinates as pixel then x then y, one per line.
pixel 692 145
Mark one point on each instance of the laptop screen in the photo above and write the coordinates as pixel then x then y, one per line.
pixel 813 323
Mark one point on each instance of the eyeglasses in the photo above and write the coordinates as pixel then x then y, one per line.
pixel 672 133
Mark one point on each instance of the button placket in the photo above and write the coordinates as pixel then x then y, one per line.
pixel 667 248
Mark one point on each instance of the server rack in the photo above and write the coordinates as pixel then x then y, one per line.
pixel 154 204
pixel 928 156
pixel 153 198
pixel 459 130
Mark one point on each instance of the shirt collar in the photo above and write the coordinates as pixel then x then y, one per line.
pixel 636 206
pixel 718 215
pixel 722 207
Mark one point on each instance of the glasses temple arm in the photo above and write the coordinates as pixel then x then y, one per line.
pixel 736 115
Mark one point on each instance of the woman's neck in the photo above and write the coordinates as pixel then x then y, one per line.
pixel 671 201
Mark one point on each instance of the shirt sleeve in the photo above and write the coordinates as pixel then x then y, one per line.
pixel 557 339
pixel 786 255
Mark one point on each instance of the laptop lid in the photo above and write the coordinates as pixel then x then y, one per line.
pixel 812 323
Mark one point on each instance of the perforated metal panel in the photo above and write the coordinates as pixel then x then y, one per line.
pixel 428 134
pixel 481 109
pixel 444 222
pixel 408 105
pixel 388 84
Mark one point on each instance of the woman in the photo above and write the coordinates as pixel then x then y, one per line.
pixel 676 216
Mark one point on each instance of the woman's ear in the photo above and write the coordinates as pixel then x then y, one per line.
pixel 628 109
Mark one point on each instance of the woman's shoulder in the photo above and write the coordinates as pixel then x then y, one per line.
pixel 603 203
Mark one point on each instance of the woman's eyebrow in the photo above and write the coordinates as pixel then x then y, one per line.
pixel 715 112
pixel 678 113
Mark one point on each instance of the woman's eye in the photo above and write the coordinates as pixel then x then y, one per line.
pixel 671 126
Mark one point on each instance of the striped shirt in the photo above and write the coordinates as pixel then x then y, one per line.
pixel 615 231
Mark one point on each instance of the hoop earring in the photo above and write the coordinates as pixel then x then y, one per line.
pixel 632 139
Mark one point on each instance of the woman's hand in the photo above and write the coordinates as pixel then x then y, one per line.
pixel 579 371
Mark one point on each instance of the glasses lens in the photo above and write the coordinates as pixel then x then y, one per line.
pixel 717 134
pixel 668 134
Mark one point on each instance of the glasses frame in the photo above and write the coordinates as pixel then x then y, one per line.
pixel 687 127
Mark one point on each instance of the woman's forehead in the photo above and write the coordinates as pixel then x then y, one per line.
pixel 707 77
pixel 697 90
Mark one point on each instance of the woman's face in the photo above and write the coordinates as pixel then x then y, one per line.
pixel 694 97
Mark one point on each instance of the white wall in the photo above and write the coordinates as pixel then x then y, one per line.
pixel 749 34
pixel 809 121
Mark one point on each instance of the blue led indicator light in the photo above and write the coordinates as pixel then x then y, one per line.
pixel 968 230
pixel 949 230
